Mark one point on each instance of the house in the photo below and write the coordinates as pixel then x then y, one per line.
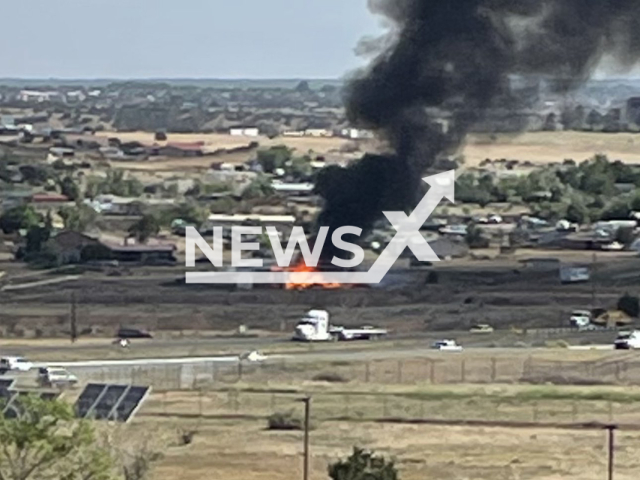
pixel 244 132
pixel 40 96
pixel 46 201
pixel 75 247
pixel 140 253
pixel 69 245
pixel 180 149
pixel 293 188
pixel 355 133
pixel 250 219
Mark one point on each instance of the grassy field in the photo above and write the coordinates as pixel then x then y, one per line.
pixel 548 147
pixel 232 441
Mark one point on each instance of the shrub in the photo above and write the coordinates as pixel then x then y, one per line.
pixel 330 377
pixel 630 305
pixel 556 344
pixel 285 421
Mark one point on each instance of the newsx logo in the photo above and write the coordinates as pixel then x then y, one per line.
pixel 283 257
pixel 407 236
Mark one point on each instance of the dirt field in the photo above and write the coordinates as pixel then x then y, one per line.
pixel 548 147
pixel 241 447
pixel 215 141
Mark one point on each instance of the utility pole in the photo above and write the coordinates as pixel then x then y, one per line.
pixel 592 275
pixel 611 429
pixel 307 417
pixel 73 331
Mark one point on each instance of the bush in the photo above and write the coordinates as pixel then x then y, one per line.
pixel 362 465
pixel 330 377
pixel 556 344
pixel 630 305
pixel 285 421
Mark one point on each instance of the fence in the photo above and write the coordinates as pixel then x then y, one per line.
pixel 447 407
pixel 451 369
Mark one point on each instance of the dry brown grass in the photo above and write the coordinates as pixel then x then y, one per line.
pixel 548 147
pixel 242 449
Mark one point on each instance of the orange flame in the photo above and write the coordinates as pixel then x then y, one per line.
pixel 303 277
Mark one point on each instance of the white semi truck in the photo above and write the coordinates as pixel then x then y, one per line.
pixel 315 327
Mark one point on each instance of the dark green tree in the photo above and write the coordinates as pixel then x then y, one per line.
pixel 145 228
pixel 630 305
pixel 363 465
pixel 70 188
pixel 21 217
pixel 274 158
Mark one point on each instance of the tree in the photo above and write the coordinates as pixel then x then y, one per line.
pixel 363 465
pixel 274 158
pixel 475 238
pixel 69 188
pixel 260 187
pixel 45 440
pixel 78 218
pixel 303 87
pixel 630 305
pixel 17 218
pixel 145 228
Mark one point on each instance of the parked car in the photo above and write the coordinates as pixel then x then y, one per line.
pixel 447 345
pixel 19 364
pixel 55 377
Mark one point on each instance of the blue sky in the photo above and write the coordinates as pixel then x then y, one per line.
pixel 183 38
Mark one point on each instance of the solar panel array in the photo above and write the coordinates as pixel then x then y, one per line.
pixel 119 403
pixel 6 383
pixel 10 400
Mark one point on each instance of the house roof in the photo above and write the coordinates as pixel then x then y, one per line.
pixel 49 197
pixel 185 145
pixel 139 248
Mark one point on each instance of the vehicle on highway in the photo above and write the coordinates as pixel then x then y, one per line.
pixel 55 377
pixel 19 364
pixel 447 345
pixel 627 340
pixel 580 318
pixel 481 328
pixel 253 356
pixel 315 327
pixel 133 333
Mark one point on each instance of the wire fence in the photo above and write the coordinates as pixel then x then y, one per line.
pixel 452 369
pixel 354 406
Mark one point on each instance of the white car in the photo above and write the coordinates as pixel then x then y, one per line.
pixel 447 345
pixel 19 364
pixel 253 356
pixel 55 376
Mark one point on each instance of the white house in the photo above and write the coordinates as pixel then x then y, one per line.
pixel 244 132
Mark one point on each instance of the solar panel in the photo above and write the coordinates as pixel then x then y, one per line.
pixel 88 398
pixel 6 383
pixel 110 402
pixel 130 403
pixel 12 408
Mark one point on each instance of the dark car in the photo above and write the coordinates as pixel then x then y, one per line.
pixel 133 333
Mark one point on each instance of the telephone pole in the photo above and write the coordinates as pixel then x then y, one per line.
pixel 307 417
pixel 611 429
pixel 73 320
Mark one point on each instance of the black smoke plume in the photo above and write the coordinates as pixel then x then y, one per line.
pixel 459 58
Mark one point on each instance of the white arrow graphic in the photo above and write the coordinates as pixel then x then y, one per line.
pixel 408 236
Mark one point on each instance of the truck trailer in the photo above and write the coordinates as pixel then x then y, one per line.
pixel 315 327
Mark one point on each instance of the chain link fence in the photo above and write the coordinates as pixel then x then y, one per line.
pixel 453 369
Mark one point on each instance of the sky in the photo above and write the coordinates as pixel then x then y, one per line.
pixel 183 38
